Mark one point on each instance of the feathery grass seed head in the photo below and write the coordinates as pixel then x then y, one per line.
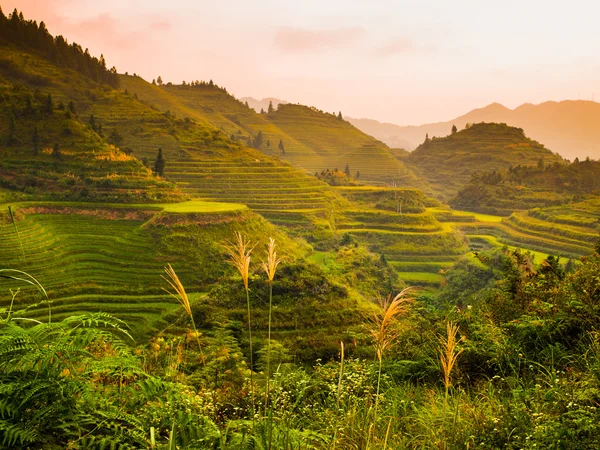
pixel 239 254
pixel 179 291
pixel 270 266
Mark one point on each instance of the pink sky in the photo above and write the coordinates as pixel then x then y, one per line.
pixel 400 61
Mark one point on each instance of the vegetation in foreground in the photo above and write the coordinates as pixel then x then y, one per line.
pixel 506 356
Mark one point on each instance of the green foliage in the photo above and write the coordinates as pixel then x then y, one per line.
pixel 525 187
pixel 448 163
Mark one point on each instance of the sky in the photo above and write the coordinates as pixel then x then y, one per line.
pixel 400 61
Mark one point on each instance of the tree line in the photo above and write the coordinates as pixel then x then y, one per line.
pixel 15 29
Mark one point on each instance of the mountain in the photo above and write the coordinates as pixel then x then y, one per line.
pixel 263 104
pixel 448 163
pixel 304 136
pixel 568 127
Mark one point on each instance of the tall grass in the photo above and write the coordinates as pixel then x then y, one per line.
pixel 19 275
pixel 385 332
pixel 270 267
pixel 14 222
pixel 449 353
pixel 181 296
pixel 239 253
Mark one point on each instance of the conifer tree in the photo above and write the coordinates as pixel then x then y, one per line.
pixel 340 117
pixel 159 164
pixel 35 140
pixel 262 111
pixel 258 140
pixel 454 129
pixel 281 147
pixel 347 170
pixel 93 122
pixel 270 110
pixel 29 104
pixel 56 151
pixel 49 104
pixel 357 175
pixel 159 81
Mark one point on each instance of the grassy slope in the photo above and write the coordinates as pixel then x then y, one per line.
pixel 312 139
pixel 110 258
pixel 336 143
pixel 448 163
pixel 85 167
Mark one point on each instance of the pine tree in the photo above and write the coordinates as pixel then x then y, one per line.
pixel 49 104
pixel 258 140
pixel 281 147
pixel 340 117
pixel 56 151
pixel 35 140
pixel 262 111
pixel 29 104
pixel 159 164
pixel 347 170
pixel 12 129
pixel 159 81
pixel 357 175
pixel 268 143
pixel 454 129
pixel 270 110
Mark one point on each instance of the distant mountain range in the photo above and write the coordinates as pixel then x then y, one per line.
pixel 571 127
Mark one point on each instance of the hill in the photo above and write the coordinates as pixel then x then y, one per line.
pixel 524 187
pixel 335 143
pixel 448 163
pixel 568 127
pixel 306 137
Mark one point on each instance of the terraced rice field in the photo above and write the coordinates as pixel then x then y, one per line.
pixel 264 186
pixel 415 243
pixel 521 230
pixel 88 264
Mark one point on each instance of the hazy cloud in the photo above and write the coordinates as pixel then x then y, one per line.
pixel 401 46
pixel 160 26
pixel 298 40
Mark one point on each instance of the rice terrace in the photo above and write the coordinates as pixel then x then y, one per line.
pixel 185 266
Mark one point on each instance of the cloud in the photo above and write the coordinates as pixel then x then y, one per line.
pixel 160 26
pixel 298 40
pixel 401 46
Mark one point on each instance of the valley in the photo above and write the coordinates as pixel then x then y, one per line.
pixel 181 268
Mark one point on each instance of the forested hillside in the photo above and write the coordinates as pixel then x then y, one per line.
pixel 448 163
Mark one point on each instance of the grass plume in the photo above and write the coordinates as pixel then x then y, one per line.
pixel 449 353
pixel 239 257
pixel 181 296
pixel 385 332
pixel 270 267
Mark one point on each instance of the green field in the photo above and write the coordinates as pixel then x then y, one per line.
pixel 199 206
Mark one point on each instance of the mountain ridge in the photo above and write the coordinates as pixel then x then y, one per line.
pixel 568 127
